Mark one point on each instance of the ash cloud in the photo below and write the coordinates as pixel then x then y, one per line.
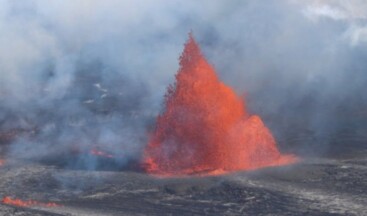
pixel 80 74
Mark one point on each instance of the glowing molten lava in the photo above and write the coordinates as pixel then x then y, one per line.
pixel 100 153
pixel 205 128
pixel 27 203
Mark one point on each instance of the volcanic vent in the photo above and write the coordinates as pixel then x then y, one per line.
pixel 205 127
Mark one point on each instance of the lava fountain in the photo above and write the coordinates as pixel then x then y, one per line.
pixel 205 128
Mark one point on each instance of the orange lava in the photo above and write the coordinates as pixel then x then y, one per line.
pixel 100 153
pixel 2 162
pixel 205 128
pixel 27 203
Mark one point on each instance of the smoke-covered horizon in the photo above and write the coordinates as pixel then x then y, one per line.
pixel 94 73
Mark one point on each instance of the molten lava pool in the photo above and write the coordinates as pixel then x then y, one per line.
pixel 205 128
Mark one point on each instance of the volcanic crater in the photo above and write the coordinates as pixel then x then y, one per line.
pixel 205 156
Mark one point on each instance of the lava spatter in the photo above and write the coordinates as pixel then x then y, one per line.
pixel 205 127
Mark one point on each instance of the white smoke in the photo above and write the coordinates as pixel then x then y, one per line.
pixel 352 12
pixel 95 72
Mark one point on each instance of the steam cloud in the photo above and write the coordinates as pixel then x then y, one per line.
pixel 93 73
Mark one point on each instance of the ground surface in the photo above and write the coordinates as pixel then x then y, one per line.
pixel 315 186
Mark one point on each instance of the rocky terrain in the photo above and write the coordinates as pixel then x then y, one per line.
pixel 314 186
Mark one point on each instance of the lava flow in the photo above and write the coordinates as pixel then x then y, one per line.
pixel 100 153
pixel 205 128
pixel 27 203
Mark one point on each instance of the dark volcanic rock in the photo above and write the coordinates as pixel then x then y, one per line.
pixel 313 187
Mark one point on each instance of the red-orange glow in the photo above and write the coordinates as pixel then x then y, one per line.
pixel 2 162
pixel 100 153
pixel 27 203
pixel 205 128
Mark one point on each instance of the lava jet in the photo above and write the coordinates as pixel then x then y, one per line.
pixel 205 127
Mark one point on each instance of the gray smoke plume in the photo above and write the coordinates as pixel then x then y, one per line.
pixel 77 75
